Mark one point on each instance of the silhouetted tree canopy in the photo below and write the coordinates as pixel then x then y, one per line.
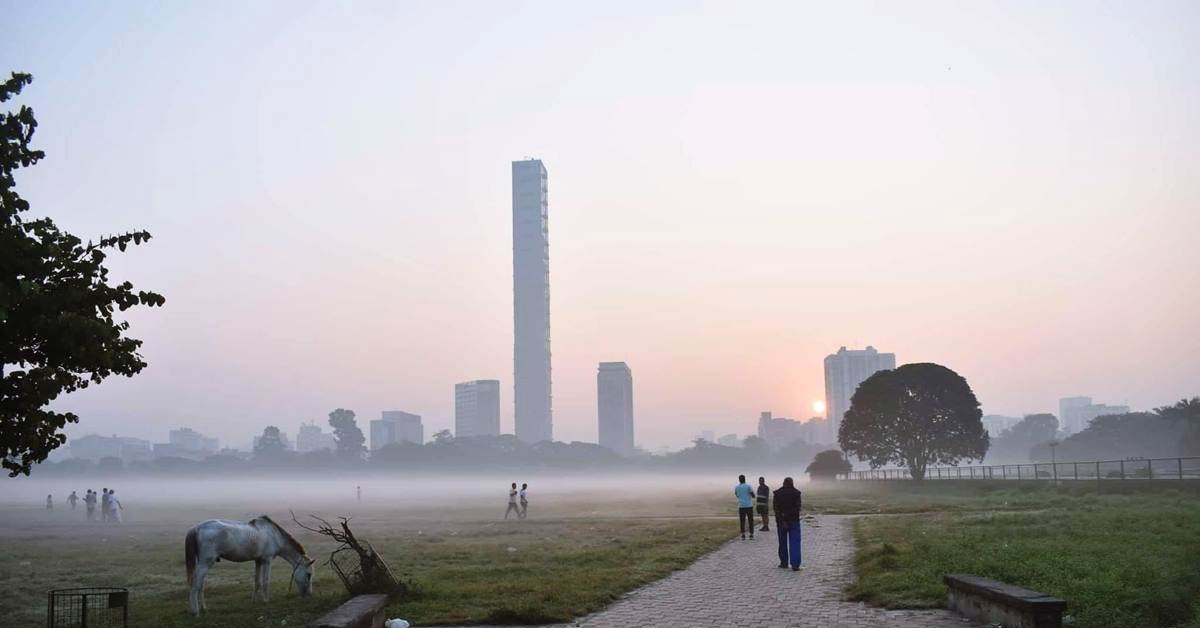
pixel 915 415
pixel 1016 443
pixel 1160 434
pixel 57 331
pixel 828 464
pixel 347 436
pixel 270 445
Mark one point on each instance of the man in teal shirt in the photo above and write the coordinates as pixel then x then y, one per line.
pixel 745 497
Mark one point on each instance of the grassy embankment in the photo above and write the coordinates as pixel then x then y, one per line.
pixel 1120 560
pixel 467 566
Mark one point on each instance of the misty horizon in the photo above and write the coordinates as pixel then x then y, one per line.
pixel 332 226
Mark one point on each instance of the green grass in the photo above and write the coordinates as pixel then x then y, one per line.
pixel 1118 560
pixel 467 566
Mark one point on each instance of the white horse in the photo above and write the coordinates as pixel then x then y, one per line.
pixel 259 540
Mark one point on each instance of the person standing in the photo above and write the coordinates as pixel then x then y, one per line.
pixel 71 499
pixel 787 524
pixel 760 502
pixel 89 500
pixel 512 502
pixel 103 503
pixel 524 501
pixel 114 506
pixel 745 497
pixel 49 502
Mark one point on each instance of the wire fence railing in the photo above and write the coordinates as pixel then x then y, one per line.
pixel 1094 470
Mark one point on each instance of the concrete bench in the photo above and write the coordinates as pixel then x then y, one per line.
pixel 1010 606
pixel 362 611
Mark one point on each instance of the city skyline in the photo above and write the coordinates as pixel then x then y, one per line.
pixel 959 188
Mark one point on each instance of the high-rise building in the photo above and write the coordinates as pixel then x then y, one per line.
pixel 477 408
pixel 844 371
pixel 531 302
pixel 311 438
pixel 1075 413
pixel 395 426
pixel 614 396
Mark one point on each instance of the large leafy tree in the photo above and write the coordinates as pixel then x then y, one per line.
pixel 347 435
pixel 828 464
pixel 270 445
pixel 916 415
pixel 57 327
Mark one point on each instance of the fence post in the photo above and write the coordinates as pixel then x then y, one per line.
pixel 1018 474
pixel 1149 468
pixel 1076 470
pixel 1180 461
pixel 972 470
pixel 1004 472
pixel 1035 471
pixel 1097 476
pixel 1122 469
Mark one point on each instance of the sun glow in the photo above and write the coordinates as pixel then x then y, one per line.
pixel 818 407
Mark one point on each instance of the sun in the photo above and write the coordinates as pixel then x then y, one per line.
pixel 818 406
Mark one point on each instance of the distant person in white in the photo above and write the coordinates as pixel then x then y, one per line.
pixel 114 506
pixel 512 502
pixel 524 501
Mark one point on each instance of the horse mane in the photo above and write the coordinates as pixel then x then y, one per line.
pixel 284 533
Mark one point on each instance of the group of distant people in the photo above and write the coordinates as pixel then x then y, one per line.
pixel 110 506
pixel 787 515
pixel 518 501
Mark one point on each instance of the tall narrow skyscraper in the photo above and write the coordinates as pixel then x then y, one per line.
pixel 531 302
pixel 844 371
pixel 614 395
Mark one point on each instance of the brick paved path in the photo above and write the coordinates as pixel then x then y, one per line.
pixel 740 585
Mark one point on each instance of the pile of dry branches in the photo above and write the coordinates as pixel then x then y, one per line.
pixel 359 566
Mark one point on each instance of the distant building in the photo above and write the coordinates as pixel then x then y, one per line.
pixel 844 371
pixel 709 436
pixel 1074 413
pixel 531 302
pixel 311 438
pixel 395 426
pixel 815 431
pixel 191 440
pixel 730 440
pixel 614 399
pixel 778 432
pixel 95 447
pixel 477 408
pixel 996 424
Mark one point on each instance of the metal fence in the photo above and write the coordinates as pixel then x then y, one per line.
pixel 1095 470
pixel 92 607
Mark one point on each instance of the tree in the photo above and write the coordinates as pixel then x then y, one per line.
pixel 348 437
pixel 57 331
pixel 915 415
pixel 755 448
pixel 1015 443
pixel 270 445
pixel 828 465
pixel 1187 410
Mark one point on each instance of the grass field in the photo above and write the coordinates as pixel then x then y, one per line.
pixel 1119 560
pixel 467 565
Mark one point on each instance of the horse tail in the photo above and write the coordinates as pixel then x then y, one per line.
pixel 189 555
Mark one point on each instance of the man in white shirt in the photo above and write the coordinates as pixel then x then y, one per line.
pixel 512 502
pixel 524 501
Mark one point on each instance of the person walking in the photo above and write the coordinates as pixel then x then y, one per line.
pixel 524 501
pixel 745 497
pixel 787 524
pixel 89 500
pixel 104 503
pixel 760 502
pixel 512 502
pixel 71 499
pixel 114 506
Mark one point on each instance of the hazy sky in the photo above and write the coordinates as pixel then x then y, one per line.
pixel 736 190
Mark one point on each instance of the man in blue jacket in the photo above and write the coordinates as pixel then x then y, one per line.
pixel 745 496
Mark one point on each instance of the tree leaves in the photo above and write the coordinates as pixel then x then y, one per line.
pixel 915 415
pixel 56 308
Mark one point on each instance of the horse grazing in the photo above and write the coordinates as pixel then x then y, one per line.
pixel 259 540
